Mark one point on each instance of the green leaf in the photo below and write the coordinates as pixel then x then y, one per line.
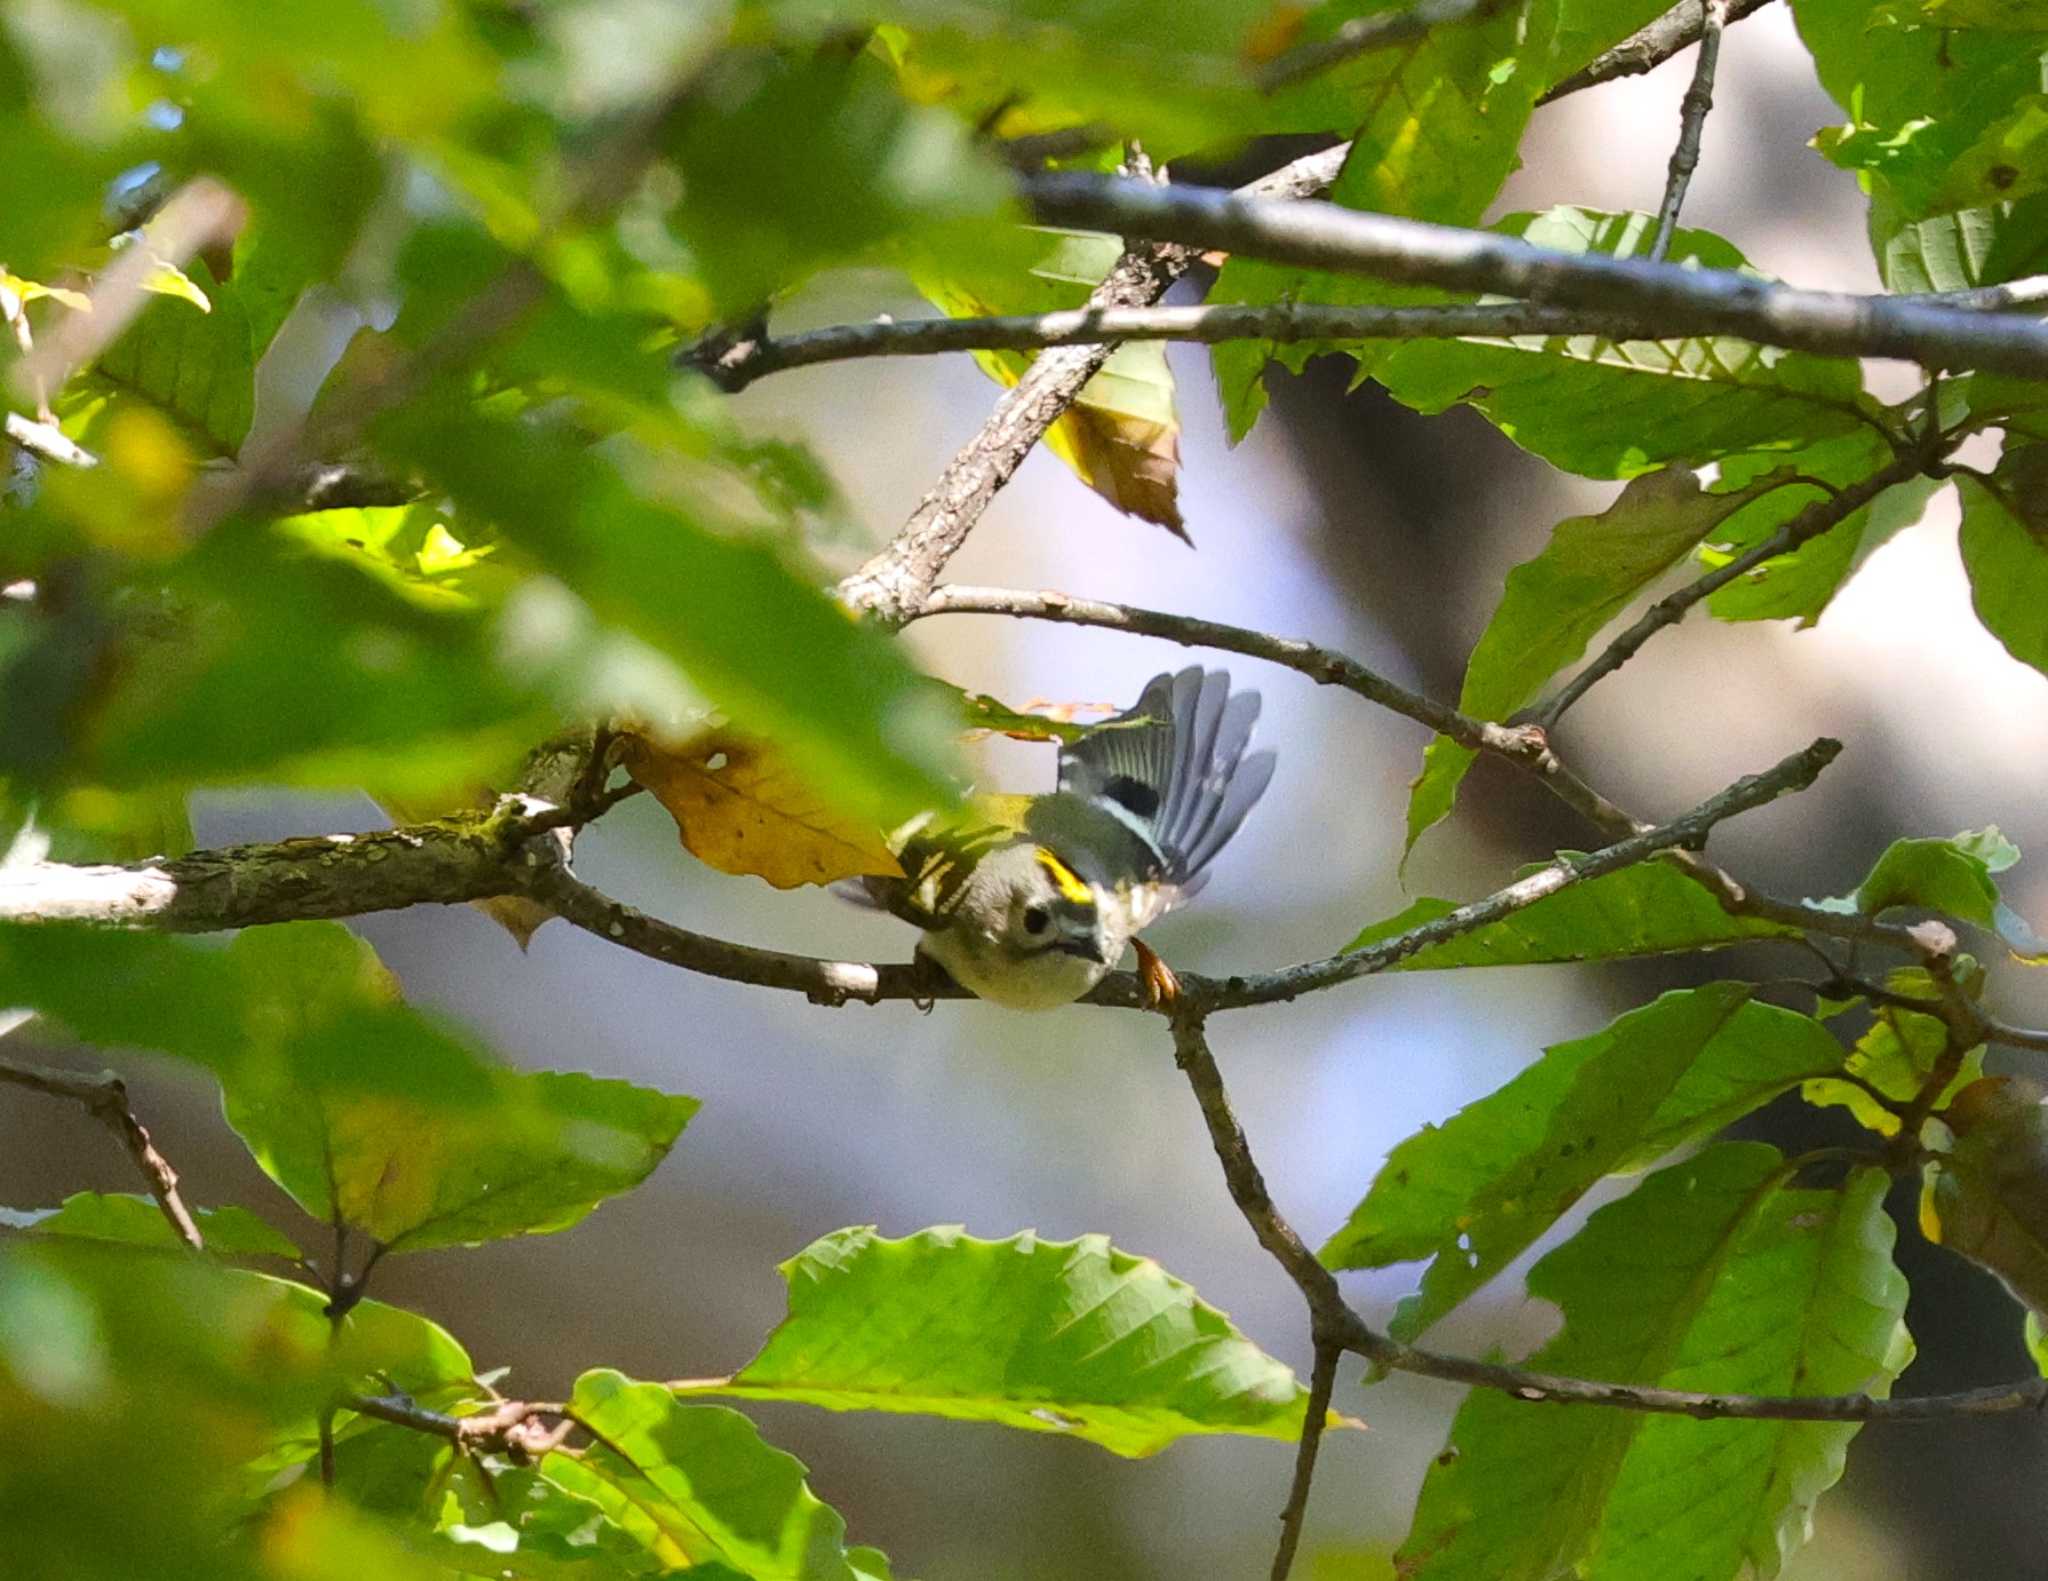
pixel 109 1354
pixel 198 367
pixel 2005 550
pixel 1614 409
pixel 1897 1055
pixel 366 1112
pixel 1474 1193
pixel 1952 876
pixel 694 1485
pixel 1649 909
pixel 1438 136
pixel 1555 604
pixel 126 990
pixel 137 1221
pixel 1715 1275
pixel 818 161
pixel 1943 118
pixel 349 1099
pixel 1959 251
pixel 274 665
pixel 1799 586
pixel 1069 1337
pixel 779 656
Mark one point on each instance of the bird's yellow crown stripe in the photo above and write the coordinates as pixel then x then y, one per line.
pixel 1066 878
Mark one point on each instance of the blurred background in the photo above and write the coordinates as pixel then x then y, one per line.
pixel 1361 526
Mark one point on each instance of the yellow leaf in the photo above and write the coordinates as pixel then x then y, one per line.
pixel 167 279
pixel 742 809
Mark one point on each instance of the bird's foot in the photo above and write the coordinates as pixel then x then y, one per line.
pixel 1156 982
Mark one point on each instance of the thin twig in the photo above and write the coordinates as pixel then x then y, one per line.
pixel 1364 35
pixel 741 362
pixel 1320 235
pixel 508 1426
pixel 1820 517
pixel 1692 120
pixel 1676 31
pixel 48 441
pixel 1322 1383
pixel 895 581
pixel 105 1097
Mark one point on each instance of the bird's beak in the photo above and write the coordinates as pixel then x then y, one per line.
pixel 1087 949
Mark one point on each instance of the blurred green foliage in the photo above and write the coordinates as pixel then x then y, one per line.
pixel 519 215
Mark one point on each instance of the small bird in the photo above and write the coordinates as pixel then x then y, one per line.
pixel 1029 901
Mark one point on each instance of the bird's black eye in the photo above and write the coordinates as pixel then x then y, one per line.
pixel 1036 919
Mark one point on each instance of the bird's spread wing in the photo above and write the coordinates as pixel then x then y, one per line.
pixel 1174 770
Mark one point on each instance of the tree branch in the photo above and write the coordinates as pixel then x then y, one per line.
pixel 1676 31
pixel 105 1098
pixel 1692 120
pixel 894 582
pixel 240 886
pixel 1324 236
pixel 1820 517
pixel 744 361
pixel 511 1427
pixel 1322 1384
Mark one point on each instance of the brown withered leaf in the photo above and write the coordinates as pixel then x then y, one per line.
pixel 741 808
pixel 1988 1199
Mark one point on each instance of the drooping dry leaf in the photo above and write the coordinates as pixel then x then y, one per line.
pixel 1988 1199
pixel 741 808
pixel 1122 436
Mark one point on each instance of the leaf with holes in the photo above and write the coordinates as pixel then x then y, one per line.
pixel 1474 1193
pixel 742 808
pixel 1717 1275
pixel 1068 1337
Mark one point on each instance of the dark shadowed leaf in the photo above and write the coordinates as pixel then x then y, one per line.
pixel 1474 1193
pixel 1987 1198
pixel 694 1485
pixel 1715 1275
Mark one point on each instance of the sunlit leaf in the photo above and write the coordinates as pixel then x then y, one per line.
pixel 694 1485
pixel 137 1221
pixel 1649 909
pixel 740 808
pixel 367 1113
pixel 1068 1337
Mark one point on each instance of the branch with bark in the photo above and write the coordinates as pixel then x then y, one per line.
pixel 104 1096
pixel 1317 235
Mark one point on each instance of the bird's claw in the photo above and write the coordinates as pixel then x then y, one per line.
pixel 1156 982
